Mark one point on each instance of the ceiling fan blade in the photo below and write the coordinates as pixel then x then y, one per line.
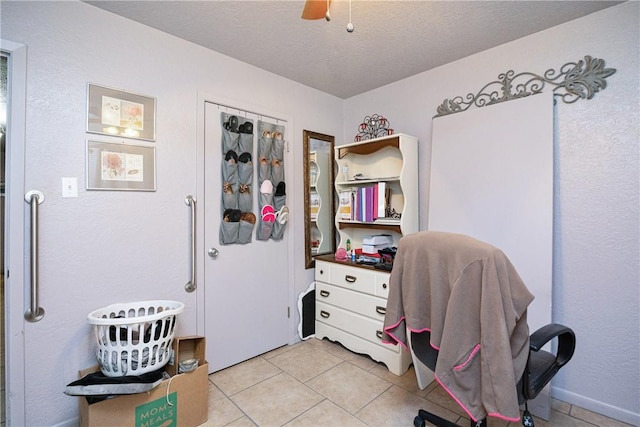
pixel 315 9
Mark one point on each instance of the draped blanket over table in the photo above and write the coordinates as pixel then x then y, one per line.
pixel 470 297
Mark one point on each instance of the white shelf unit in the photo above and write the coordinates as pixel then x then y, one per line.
pixel 392 160
pixel 351 298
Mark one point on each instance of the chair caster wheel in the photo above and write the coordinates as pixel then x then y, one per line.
pixel 527 419
pixel 419 422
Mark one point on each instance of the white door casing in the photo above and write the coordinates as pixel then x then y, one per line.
pixel 15 274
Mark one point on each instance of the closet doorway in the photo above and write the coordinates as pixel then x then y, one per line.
pixel 13 102
pixel 246 287
pixel 4 95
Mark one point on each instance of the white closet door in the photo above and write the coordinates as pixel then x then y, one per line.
pixel 246 287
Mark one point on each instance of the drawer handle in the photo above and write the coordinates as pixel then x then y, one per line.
pixel 321 271
pixel 349 278
pixel 379 334
pixel 380 309
pixel 384 286
pixel 324 293
pixel 324 314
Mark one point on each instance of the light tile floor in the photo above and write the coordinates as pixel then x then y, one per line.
pixel 320 383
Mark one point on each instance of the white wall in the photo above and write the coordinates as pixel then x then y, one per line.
pixel 596 219
pixel 104 247
pixel 143 234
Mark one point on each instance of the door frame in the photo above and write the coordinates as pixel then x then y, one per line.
pixel 234 104
pixel 14 232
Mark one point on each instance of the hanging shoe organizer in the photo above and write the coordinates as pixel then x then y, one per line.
pixel 273 212
pixel 238 219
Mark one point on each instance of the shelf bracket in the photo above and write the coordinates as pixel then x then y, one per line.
pixel 369 147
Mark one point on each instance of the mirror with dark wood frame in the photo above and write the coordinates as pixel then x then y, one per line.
pixel 319 211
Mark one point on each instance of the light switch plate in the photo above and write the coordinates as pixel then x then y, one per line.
pixel 69 187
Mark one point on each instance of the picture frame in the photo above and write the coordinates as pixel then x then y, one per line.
pixel 120 113
pixel 120 166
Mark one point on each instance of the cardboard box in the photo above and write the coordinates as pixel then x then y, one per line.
pixel 184 348
pixel 189 393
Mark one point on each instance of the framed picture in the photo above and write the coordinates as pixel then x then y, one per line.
pixel 119 113
pixel 113 166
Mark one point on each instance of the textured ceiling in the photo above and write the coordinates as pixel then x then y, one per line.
pixel 392 39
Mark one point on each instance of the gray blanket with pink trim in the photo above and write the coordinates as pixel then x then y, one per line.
pixel 470 297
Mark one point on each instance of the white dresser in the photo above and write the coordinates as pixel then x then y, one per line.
pixel 351 298
pixel 350 307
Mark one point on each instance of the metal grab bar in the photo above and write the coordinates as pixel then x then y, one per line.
pixel 191 284
pixel 35 313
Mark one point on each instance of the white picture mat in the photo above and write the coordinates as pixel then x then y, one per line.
pixel 492 178
pixel 120 166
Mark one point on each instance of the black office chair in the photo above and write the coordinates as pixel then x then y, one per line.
pixel 540 368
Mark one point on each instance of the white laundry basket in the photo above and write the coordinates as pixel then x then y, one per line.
pixel 134 338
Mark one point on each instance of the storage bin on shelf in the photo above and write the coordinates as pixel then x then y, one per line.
pixel 134 338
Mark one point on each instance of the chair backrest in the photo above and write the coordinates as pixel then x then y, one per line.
pixel 423 350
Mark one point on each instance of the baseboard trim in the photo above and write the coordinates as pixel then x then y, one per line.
pixel 598 407
pixel 73 422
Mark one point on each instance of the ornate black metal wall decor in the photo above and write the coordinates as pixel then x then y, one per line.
pixel 373 126
pixel 578 80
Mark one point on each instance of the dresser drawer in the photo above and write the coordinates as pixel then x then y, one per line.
pixel 358 279
pixel 323 271
pixel 382 285
pixel 367 305
pixel 360 326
